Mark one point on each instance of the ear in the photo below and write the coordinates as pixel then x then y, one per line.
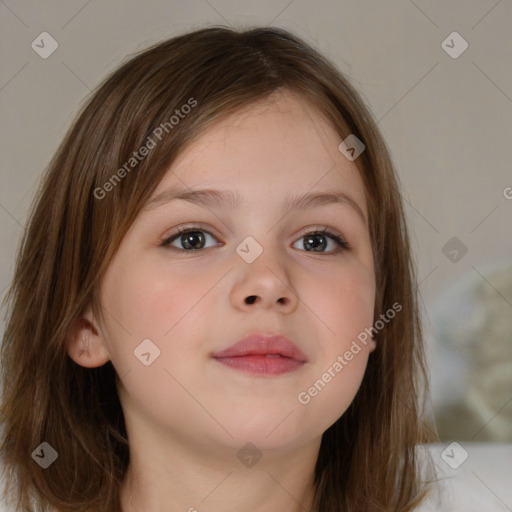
pixel 373 344
pixel 85 344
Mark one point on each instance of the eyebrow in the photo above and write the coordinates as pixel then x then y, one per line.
pixel 210 198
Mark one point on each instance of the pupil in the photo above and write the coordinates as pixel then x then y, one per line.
pixel 189 240
pixel 310 243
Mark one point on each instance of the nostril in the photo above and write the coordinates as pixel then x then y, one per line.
pixel 251 299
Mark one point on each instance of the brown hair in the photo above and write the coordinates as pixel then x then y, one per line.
pixel 367 458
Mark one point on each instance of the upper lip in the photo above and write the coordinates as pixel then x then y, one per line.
pixel 262 344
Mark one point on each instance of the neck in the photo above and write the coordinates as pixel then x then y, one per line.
pixel 199 481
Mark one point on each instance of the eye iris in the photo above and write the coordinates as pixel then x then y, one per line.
pixel 310 243
pixel 188 240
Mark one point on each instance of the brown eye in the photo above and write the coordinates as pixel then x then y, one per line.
pixel 317 241
pixel 190 239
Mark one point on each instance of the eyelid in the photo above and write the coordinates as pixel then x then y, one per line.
pixel 189 227
pixel 183 228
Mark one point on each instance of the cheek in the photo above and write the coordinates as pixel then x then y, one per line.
pixel 330 393
pixel 345 308
pixel 344 303
pixel 147 303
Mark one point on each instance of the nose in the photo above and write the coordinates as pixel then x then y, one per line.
pixel 266 284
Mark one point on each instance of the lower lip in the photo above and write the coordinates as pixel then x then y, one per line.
pixel 261 364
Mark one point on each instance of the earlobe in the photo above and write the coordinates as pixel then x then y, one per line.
pixel 373 343
pixel 85 344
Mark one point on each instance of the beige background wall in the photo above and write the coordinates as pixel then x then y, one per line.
pixel 448 122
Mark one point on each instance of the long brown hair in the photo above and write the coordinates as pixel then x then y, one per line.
pixel 86 204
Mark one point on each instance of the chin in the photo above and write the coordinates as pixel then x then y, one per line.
pixel 275 432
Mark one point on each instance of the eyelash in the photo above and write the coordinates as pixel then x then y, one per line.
pixel 319 230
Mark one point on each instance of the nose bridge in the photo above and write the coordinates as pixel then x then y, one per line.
pixel 261 250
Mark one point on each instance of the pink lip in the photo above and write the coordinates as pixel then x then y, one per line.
pixel 262 354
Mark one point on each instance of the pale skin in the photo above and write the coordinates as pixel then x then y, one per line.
pixel 187 416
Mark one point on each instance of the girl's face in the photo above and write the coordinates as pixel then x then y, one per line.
pixel 250 266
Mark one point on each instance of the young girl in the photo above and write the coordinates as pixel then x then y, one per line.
pixel 214 306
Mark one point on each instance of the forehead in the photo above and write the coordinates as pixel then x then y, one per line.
pixel 280 145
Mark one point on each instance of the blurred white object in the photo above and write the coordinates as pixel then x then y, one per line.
pixel 482 482
pixel 471 369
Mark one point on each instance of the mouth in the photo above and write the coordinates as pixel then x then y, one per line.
pixel 264 355
pixel 269 364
